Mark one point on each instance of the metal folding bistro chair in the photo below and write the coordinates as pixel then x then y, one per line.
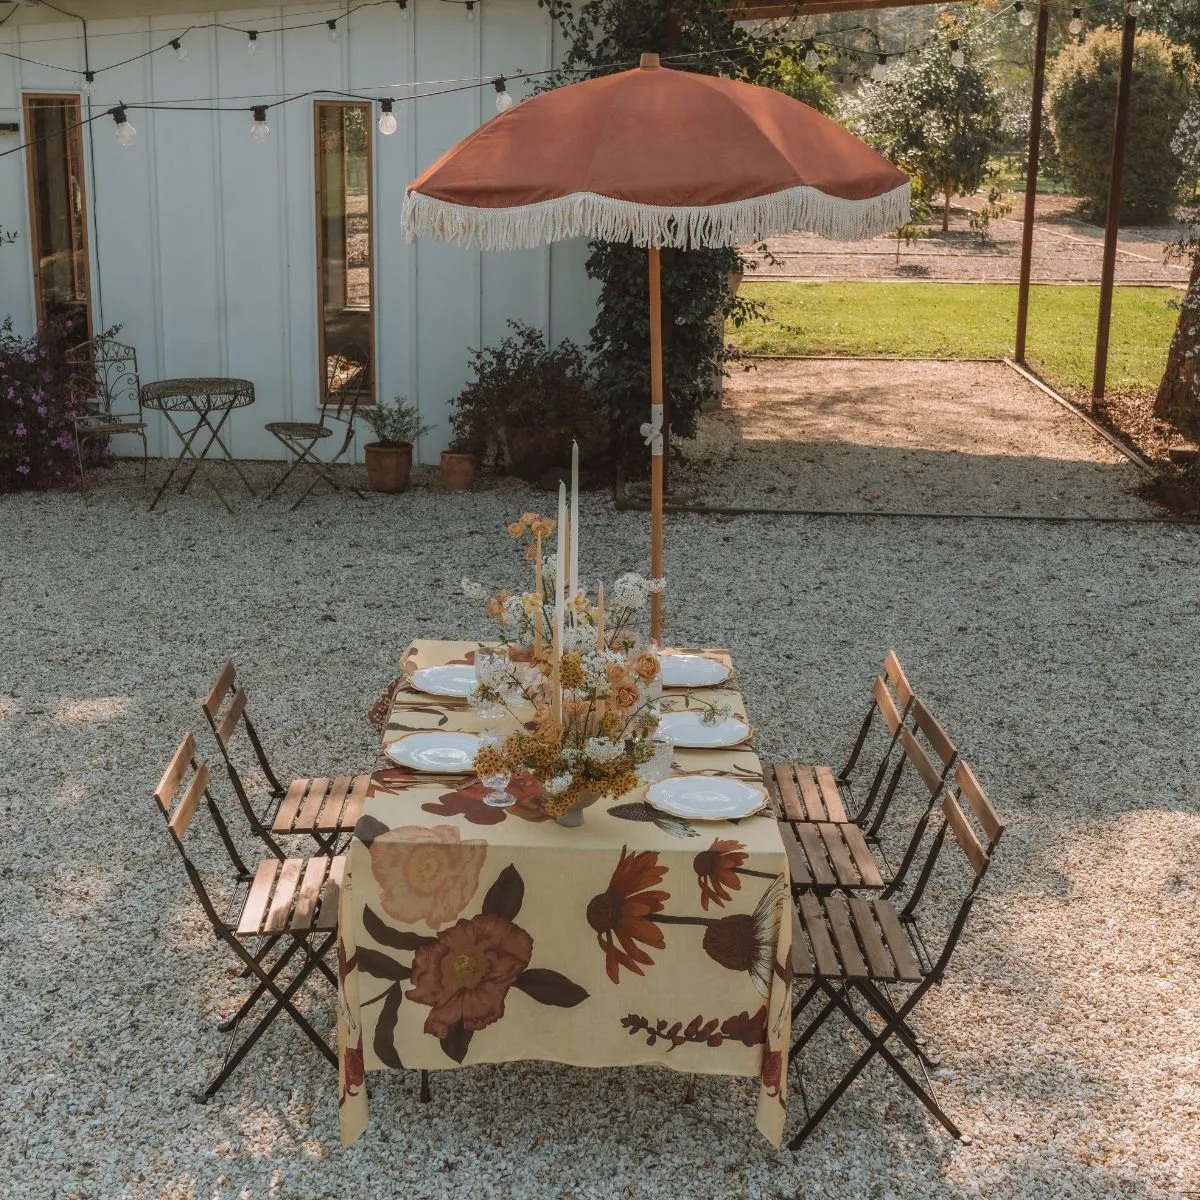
pixel 322 808
pixel 850 947
pixel 347 387
pixel 106 397
pixel 288 909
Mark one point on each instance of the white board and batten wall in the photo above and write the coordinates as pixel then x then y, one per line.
pixel 203 243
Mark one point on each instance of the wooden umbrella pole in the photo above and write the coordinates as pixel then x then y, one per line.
pixel 656 443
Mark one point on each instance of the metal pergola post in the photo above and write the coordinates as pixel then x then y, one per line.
pixel 1031 179
pixel 1115 184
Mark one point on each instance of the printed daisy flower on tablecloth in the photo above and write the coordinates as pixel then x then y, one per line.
pixel 716 872
pixel 620 914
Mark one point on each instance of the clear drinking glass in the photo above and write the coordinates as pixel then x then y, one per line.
pixel 659 767
pixel 497 795
pixel 486 710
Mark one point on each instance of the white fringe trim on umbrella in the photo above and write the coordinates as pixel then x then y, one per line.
pixel 590 215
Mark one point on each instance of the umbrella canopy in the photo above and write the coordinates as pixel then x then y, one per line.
pixel 656 157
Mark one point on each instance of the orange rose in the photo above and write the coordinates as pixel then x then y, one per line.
pixel 646 666
pixel 549 733
pixel 516 529
pixel 625 695
pixel 529 519
pixel 616 673
pixel 543 527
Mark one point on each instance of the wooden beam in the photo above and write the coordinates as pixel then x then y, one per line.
pixel 1116 175
pixel 1031 178
pixel 754 12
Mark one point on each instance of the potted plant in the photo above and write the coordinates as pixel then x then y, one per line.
pixel 459 462
pixel 389 458
pixel 526 404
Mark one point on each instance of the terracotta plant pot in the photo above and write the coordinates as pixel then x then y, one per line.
pixel 388 467
pixel 458 471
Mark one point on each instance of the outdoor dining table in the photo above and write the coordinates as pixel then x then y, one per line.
pixel 470 934
pixel 206 399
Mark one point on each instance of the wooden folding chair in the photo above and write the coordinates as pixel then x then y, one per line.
pixel 845 947
pixel 289 908
pixel 324 809
pixel 817 792
pixel 825 854
pixel 347 388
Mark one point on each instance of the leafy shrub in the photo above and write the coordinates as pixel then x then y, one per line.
pixel 395 424
pixel 37 435
pixel 1082 95
pixel 784 70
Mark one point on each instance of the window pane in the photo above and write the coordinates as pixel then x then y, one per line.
pixel 57 205
pixel 344 249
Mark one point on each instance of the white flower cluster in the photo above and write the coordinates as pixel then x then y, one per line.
pixel 579 637
pixel 714 714
pixel 602 750
pixel 557 785
pixel 595 668
pixel 631 591
pixel 474 591
pixel 495 672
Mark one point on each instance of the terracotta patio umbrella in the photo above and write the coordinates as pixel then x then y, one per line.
pixel 656 157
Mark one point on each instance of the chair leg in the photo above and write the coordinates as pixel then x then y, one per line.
pixel 689 1093
pixel 426 1095
pixel 79 444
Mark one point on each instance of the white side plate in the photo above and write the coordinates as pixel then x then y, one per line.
pixel 457 679
pixel 705 797
pixel 687 729
pixel 435 752
pixel 691 671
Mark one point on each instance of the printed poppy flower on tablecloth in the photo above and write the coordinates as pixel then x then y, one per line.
pixel 425 874
pixel 746 941
pixel 716 872
pixel 467 802
pixel 620 914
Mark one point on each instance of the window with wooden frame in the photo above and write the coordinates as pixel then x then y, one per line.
pixel 345 259
pixel 58 213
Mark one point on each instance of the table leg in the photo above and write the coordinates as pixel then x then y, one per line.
pixel 187 440
pixel 216 437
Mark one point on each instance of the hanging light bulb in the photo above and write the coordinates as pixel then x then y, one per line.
pixel 125 132
pixel 333 30
pixel 503 99
pixel 958 59
pixel 812 59
pixel 403 9
pixel 1132 8
pixel 252 42
pixel 1023 14
pixel 879 70
pixel 260 130
pixel 89 83
pixel 387 119
pixel 1075 24
pixel 470 12
pixel 180 49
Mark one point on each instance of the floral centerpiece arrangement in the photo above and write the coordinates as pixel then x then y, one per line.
pixel 591 681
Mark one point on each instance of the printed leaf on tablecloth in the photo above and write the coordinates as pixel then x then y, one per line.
pixel 380 965
pixel 397 939
pixel 549 987
pixel 504 897
pixel 368 829
pixel 385 1029
pixel 457 1042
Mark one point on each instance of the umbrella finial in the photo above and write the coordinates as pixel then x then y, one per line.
pixel 649 60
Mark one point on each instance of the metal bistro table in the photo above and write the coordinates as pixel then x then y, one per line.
pixel 207 399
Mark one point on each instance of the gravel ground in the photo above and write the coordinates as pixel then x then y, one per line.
pixel 903 436
pixel 1056 654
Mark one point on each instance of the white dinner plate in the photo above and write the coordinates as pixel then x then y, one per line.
pixel 692 671
pixel 687 730
pixel 454 679
pixel 435 752
pixel 705 797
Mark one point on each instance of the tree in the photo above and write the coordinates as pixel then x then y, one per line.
pixel 603 35
pixel 943 121
pixel 784 70
pixel 1082 94
pixel 1178 398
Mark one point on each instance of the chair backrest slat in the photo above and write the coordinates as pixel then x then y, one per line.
pixel 224 731
pixel 168 785
pixel 191 798
pixel 899 681
pixel 886 705
pixel 981 806
pixel 977 856
pixel 928 724
pixel 220 690
pixel 921 761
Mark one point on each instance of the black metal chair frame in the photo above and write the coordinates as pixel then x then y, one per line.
pixel 840 990
pixel 105 375
pixel 301 438
pixel 314 943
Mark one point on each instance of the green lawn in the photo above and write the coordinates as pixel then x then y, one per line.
pixel 956 320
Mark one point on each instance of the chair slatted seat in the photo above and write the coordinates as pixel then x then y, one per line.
pixel 288 914
pixel 848 945
pixel 322 808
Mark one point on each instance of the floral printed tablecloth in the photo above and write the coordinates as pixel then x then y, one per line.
pixel 471 934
